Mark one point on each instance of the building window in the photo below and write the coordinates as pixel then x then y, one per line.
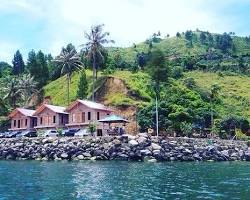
pixel 14 123
pixel 26 122
pixel 62 120
pixel 83 117
pixel 89 115
pixel 54 119
pixel 98 115
pixel 18 123
pixel 41 120
pixel 107 113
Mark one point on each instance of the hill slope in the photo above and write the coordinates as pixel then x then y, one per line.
pixel 124 88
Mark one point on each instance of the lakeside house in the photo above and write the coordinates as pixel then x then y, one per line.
pixel 79 114
pixel 83 112
pixel 22 119
pixel 50 117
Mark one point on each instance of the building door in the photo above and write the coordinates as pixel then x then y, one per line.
pixel 99 132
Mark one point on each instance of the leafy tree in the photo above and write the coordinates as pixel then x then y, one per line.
pixel 69 61
pixel 189 82
pixel 224 42
pixel 189 62
pixel 94 48
pixel 92 128
pixel 214 93
pixel 177 72
pixel 210 40
pixel 242 65
pixel 32 64
pixel 42 69
pixel 146 116
pixel 37 66
pixel 5 69
pixel 178 35
pixel 189 37
pixel 186 128
pixel 3 108
pixel 141 60
pixel 18 64
pixel 203 38
pixel 158 70
pixel 82 91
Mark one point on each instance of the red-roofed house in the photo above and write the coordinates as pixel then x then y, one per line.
pixel 82 112
pixel 50 117
pixel 22 119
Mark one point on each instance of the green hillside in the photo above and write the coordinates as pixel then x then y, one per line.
pixel 135 82
pixel 235 95
pixel 177 46
pixel 235 91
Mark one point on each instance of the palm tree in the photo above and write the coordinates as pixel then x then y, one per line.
pixel 94 48
pixel 18 88
pixel 28 87
pixel 69 61
pixel 12 90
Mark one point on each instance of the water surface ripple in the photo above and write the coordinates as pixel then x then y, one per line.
pixel 123 180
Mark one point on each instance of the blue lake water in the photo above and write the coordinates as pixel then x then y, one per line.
pixel 123 180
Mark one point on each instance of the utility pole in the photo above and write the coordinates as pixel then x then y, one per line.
pixel 156 113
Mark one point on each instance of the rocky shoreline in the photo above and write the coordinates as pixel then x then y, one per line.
pixel 136 148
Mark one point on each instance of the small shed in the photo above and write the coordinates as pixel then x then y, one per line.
pixel 114 119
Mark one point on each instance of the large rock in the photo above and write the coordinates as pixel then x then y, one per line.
pixel 141 140
pixel 155 146
pixel 80 157
pixel 64 155
pixel 146 152
pixel 116 142
pixel 143 135
pixel 86 154
pixel 133 143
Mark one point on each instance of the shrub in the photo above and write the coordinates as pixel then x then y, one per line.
pixel 240 135
pixel 92 128
pixel 177 72
pixel 186 129
pixel 60 131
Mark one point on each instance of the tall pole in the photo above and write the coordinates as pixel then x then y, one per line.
pixel 156 112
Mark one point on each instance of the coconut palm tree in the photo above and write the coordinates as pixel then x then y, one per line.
pixel 69 61
pixel 12 90
pixel 18 88
pixel 94 48
pixel 28 87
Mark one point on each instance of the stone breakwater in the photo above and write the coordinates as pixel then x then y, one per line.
pixel 138 148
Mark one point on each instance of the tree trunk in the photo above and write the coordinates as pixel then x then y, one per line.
pixel 94 78
pixel 68 87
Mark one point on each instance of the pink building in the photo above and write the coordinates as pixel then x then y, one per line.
pixel 22 119
pixel 50 117
pixel 83 112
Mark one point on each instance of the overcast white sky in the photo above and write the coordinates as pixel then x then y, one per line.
pixel 50 24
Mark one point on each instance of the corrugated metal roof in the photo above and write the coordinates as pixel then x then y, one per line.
pixel 94 105
pixel 56 109
pixel 113 118
pixel 26 112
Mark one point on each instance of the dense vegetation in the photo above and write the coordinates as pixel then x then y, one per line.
pixel 201 80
